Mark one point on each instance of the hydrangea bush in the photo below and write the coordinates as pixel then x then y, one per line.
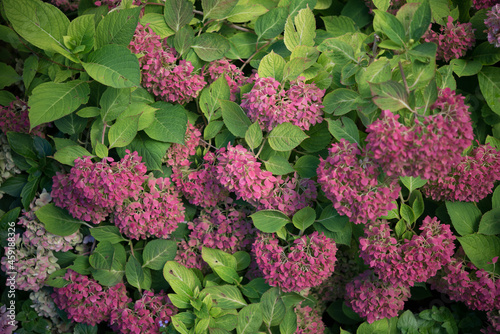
pixel 236 166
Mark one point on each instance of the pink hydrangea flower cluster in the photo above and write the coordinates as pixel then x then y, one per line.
pixel 161 74
pixel 308 320
pixel 5 322
pixel 87 301
pixel 145 316
pixel 349 180
pixel 35 233
pixel 430 147
pixel 412 261
pixel 270 104
pixel 289 195
pixel 156 211
pixel 476 288
pixel 32 265
pixel 239 172
pixel 178 155
pixel 66 5
pixel 200 185
pixel 308 262
pixel 493 25
pixel 226 228
pixel 482 4
pixel 234 76
pixel 374 298
pixel 453 41
pixel 14 117
pixel 494 320
pixel 91 191
pixel 469 181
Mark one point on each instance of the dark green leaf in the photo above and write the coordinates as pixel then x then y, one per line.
pixel 465 216
pixel 117 27
pixel 269 221
pixel 306 166
pixel 134 272
pixel 278 165
pixel 235 118
pixel 285 137
pixel 107 233
pixel 158 252
pixel 304 218
pixel 420 21
pixel 490 222
pixel 344 128
pixel 210 46
pixel 481 249
pixel 489 82
pixel 151 151
pixel 272 23
pixel 340 101
pixel 178 13
pixel 390 26
pixel 170 123
pixel 57 221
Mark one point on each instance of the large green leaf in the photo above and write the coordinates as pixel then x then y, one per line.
pixel 123 131
pixel 390 26
pixel 217 9
pixel 249 319
pixel 489 82
pixel 134 272
pixel 272 23
pixel 114 65
pixel 117 27
pixel 51 101
pixel 285 137
pixel 8 75
pixel 210 46
pixel 151 151
pixel 225 296
pixel 481 249
pixel 158 252
pixel 41 24
pixel 302 32
pixel 273 308
pixel 178 13
pixel 490 222
pixel 340 101
pixel 272 65
pixel 57 221
pixel 465 216
pixel 344 128
pixel 182 280
pixel 235 118
pixel 269 221
pixel 390 95
pixel 170 123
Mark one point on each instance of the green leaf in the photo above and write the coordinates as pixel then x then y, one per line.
pixel 57 221
pixel 107 233
pixel 289 323
pixel 113 102
pixel 216 257
pixel 378 327
pixel 83 328
pixel 407 213
pixel 489 82
pixel 210 98
pixel 71 124
pixel 235 118
pixel 183 40
pixel 420 21
pixel 339 25
pixel 272 65
pixel 182 280
pixel 417 203
pixel 134 272
pixel 331 219
pixel 340 101
pixel 412 183
pixel 244 12
pixel 319 138
pixel 212 129
pixel 269 221
pixel 486 54
pixel 304 218
pixel 29 191
pixel 178 13
pixel 226 297
pixel 390 26
pixel 108 262
pixel 495 200
pixel 338 51
pixel 273 308
pixel 117 27
pixel 210 46
pixel 306 166
pixel 39 23
pixel 114 65
pixel 68 154
pixel 217 9
pixel 179 325
pixel 253 135
pixel 490 222
pixel 151 151
pixel 464 68
pixel 29 70
pixel 390 95
pixel 278 165
pixel 344 128
pixel 249 319
pixel 481 249
pixel 158 252
pixel 358 12
pixel 8 75
pixel 285 137
pixel 303 32
pixel 464 216
pixel 242 260
pixel 382 4
pixel 123 131
pixel 297 5
pixel 157 23
pixel 272 23
pixel 51 101
pixel 22 144
pixel 170 123
pixel 13 186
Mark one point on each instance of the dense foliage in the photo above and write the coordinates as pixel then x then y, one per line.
pixel 240 166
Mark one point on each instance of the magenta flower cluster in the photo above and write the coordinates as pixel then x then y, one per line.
pixel 91 191
pixel 270 104
pixel 145 316
pixel 156 211
pixel 349 180
pixel 178 155
pixel 162 74
pixel 306 263
pixel 474 287
pixel 234 76
pixel 453 41
pixel 14 117
pixel 226 228
pixel 471 180
pixel 484 4
pixel 308 320
pixel 492 23
pixel 430 147
pixel 412 261
pixel 66 5
pixel 375 299
pixel 87 301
